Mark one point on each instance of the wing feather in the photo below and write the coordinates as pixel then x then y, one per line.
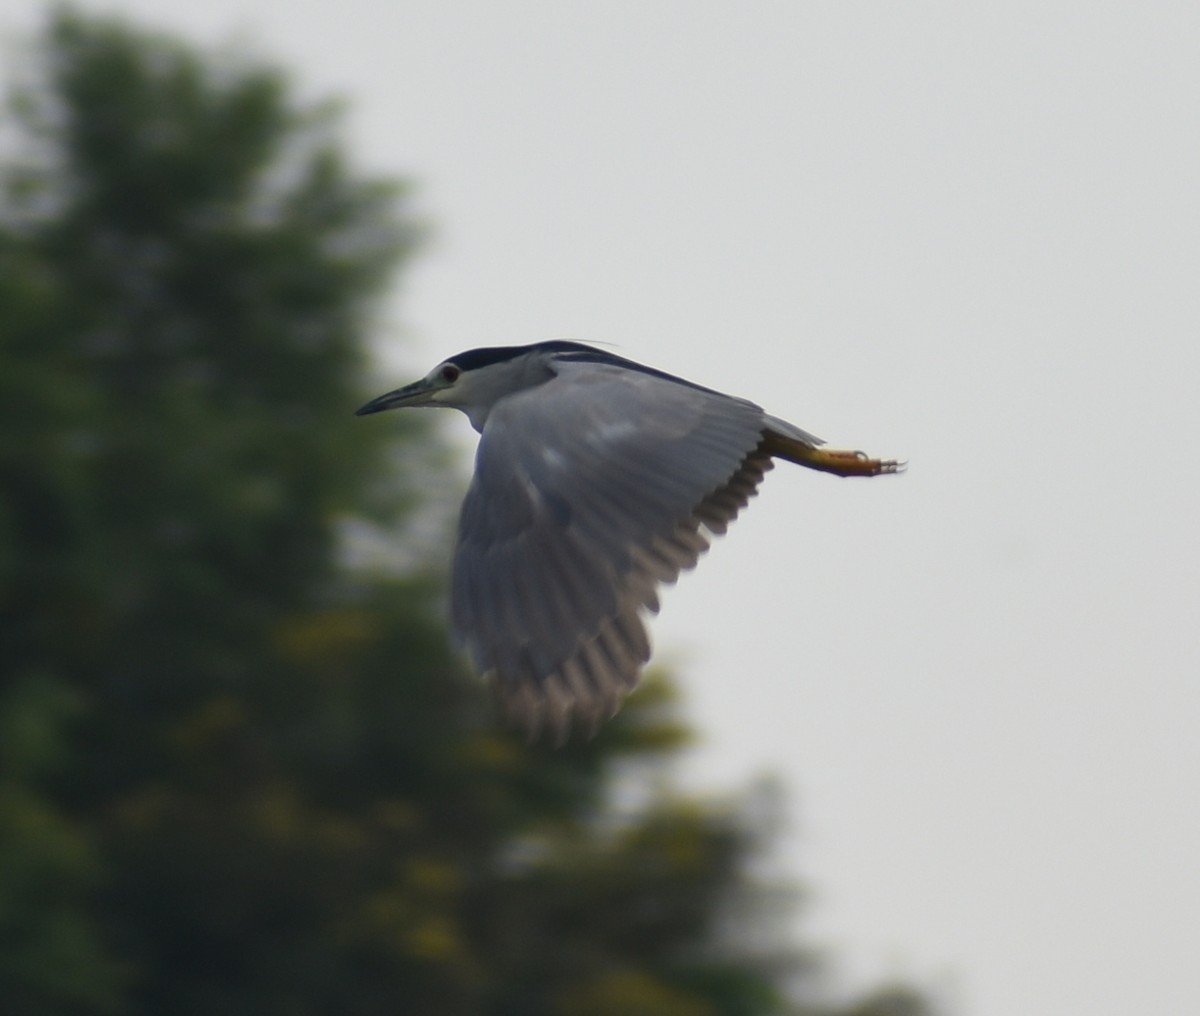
pixel 589 492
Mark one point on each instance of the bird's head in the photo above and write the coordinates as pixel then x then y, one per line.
pixel 476 380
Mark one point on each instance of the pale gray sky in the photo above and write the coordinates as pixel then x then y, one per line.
pixel 965 234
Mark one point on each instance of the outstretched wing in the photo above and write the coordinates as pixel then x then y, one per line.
pixel 589 491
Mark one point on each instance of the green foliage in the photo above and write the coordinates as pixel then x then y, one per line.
pixel 241 776
pixel 898 1000
pixel 51 956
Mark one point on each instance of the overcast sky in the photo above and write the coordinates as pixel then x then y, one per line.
pixel 963 234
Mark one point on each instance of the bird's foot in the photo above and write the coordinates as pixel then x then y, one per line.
pixel 850 463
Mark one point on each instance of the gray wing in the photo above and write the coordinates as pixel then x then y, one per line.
pixel 589 491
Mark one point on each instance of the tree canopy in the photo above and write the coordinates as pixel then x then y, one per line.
pixel 241 772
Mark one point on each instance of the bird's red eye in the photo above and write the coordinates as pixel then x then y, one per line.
pixel 450 373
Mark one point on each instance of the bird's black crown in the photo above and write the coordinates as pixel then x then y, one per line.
pixel 473 359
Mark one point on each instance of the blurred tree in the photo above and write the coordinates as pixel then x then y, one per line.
pixel 898 1000
pixel 242 775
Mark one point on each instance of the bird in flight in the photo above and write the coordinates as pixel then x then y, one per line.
pixel 597 480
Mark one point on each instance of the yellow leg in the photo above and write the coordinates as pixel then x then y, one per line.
pixel 828 460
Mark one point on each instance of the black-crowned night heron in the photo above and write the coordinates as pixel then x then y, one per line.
pixel 596 480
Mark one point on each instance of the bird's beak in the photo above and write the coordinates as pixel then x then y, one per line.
pixel 419 393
